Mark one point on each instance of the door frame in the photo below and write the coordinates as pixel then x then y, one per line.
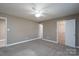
pixel 57 32
pixel 5 19
pixel 40 30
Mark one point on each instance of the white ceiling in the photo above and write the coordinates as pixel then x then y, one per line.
pixel 49 10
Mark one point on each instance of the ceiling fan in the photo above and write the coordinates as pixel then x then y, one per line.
pixel 36 12
pixel 39 12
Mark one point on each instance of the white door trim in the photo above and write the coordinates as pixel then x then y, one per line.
pixel 5 18
pixel 57 32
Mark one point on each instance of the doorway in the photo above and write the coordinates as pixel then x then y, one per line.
pixel 3 31
pixel 41 31
pixel 60 32
pixel 66 32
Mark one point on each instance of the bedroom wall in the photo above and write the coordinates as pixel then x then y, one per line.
pixel 24 29
pixel 50 28
pixel 20 29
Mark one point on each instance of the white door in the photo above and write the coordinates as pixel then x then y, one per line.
pixel 3 31
pixel 70 33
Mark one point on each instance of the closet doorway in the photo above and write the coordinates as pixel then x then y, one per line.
pixel 3 32
pixel 61 32
pixel 41 31
pixel 66 32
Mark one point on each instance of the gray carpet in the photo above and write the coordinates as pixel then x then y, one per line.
pixel 37 48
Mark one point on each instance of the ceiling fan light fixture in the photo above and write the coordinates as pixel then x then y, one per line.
pixel 37 15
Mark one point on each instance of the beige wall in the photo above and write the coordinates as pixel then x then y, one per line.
pixel 20 29
pixel 49 30
pixel 24 29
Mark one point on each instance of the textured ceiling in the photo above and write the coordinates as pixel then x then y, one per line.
pixel 49 10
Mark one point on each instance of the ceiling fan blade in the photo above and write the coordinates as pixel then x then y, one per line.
pixel 33 8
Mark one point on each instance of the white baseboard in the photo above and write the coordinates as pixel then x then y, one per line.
pixel 50 41
pixel 21 42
